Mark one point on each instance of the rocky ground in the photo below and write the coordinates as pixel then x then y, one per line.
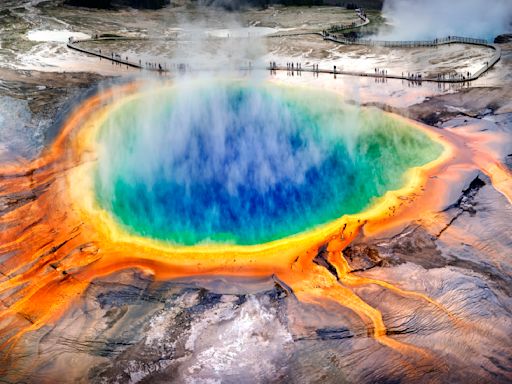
pixel 129 328
pixel 33 104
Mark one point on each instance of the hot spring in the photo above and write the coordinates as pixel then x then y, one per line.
pixel 242 163
pixel 209 181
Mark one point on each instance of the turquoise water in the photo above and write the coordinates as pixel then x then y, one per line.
pixel 245 164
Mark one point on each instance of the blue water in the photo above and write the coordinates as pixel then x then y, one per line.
pixel 246 164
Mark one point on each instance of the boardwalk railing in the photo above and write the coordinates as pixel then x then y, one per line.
pixel 343 27
pixel 405 44
pixel 74 44
pixel 428 43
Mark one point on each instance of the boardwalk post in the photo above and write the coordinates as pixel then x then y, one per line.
pixel 117 59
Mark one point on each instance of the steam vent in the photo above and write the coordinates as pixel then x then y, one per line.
pixel 255 192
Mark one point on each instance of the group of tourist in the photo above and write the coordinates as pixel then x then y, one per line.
pixel 413 76
pixel 153 66
pixel 294 66
pixel 291 68
pixel 381 72
pixel 118 59
pixel 454 76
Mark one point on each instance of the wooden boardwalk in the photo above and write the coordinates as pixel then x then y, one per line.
pixel 426 43
pixel 75 44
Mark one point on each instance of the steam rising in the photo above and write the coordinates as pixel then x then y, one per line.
pixel 218 42
pixel 425 20
pixel 222 156
pixel 238 161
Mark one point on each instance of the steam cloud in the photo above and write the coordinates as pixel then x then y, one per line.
pixel 425 20
pixel 218 159
pixel 217 41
